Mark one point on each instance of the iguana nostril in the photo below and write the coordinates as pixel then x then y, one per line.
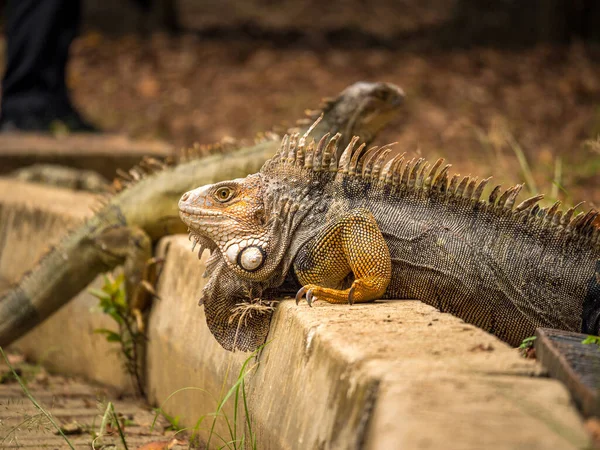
pixel 185 196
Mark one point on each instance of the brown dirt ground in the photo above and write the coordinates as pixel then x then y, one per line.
pixel 474 107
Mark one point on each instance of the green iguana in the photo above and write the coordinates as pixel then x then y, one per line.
pixel 123 230
pixel 357 227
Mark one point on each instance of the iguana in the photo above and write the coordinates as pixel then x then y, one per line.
pixel 123 230
pixel 364 226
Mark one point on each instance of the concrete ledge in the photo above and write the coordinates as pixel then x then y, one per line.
pixel 102 153
pixel 396 374
pixel 32 219
pixel 388 375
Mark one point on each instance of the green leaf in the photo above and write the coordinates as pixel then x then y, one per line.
pixel 592 340
pixel 111 336
pixel 99 294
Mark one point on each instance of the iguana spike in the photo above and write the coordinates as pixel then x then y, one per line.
pixel 528 203
pixel 420 181
pixel 566 218
pixel 588 219
pixel 369 160
pixel 576 220
pixel 360 164
pixel 510 201
pixel 596 235
pixel 387 173
pixel 379 163
pixel 494 195
pixel 290 157
pixel 453 183
pixel 281 151
pixel 504 197
pixel 333 165
pixel 300 155
pixel 440 183
pixel 479 190
pixel 552 212
pixel 330 150
pixel 405 172
pixel 310 129
pixel 556 219
pixel 124 175
pixel 412 178
pixel 396 170
pixel 137 173
pixel 374 163
pixel 354 161
pixel 347 155
pixel 432 173
pixel 461 187
pixel 152 163
pixel 318 155
pixel 309 155
pixel 470 188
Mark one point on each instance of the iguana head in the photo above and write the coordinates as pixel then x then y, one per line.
pixel 362 109
pixel 229 215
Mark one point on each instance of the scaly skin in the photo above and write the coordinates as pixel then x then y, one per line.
pixel 123 231
pixel 361 227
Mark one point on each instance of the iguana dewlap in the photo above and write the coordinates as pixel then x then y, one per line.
pixel 363 226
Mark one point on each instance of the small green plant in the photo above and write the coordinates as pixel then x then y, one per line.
pixel 109 418
pixel 591 340
pixel 237 439
pixel 174 421
pixel 113 302
pixel 527 345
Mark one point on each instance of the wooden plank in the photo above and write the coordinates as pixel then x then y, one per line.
pixel 577 365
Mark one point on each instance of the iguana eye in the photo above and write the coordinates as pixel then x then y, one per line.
pixel 224 194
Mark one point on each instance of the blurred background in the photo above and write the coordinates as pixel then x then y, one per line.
pixel 505 88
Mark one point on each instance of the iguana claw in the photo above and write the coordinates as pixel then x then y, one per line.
pixel 351 296
pixel 309 295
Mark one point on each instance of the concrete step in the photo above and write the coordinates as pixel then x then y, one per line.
pixel 386 375
pixel 33 218
pixel 103 153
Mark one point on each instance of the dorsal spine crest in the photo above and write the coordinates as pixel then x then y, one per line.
pixel 416 175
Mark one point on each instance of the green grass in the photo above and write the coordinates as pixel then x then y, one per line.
pixel 43 412
pixel 241 435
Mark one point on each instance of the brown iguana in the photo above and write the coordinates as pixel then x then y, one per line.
pixel 123 230
pixel 358 227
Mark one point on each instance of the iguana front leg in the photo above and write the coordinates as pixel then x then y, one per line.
pixel 132 247
pixel 352 245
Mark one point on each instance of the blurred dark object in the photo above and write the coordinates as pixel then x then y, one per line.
pixel 516 23
pixel 397 23
pixel 137 16
pixel 34 93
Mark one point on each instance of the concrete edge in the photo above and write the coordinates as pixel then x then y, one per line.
pixel 102 153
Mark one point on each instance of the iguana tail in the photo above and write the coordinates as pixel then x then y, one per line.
pixel 59 275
